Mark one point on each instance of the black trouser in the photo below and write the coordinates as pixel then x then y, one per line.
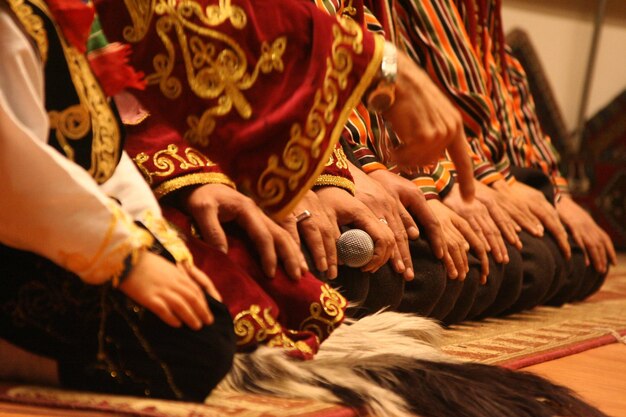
pixel 103 341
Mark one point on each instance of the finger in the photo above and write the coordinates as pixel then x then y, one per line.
pixel 211 229
pixel 162 311
pixel 505 224
pixel 383 243
pixel 409 224
pixel 525 219
pixel 495 240
pixel 448 263
pixel 315 242
pixel 610 249
pixel 459 257
pixel 263 240
pixel 186 308
pixel 596 257
pixel 478 230
pixel 548 216
pixel 431 225
pixel 291 226
pixel 403 262
pixel 464 169
pixel 203 280
pixel 330 234
pixel 579 241
pixel 290 255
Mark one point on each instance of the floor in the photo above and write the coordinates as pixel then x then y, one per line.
pixel 597 375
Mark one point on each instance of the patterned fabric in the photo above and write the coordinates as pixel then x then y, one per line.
pixel 227 96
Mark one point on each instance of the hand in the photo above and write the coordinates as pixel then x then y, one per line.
pixel 213 204
pixel 507 225
pixel 411 198
pixel 520 214
pixel 344 209
pixel 427 123
pixel 587 234
pixel 535 202
pixel 170 291
pixel 459 238
pixel 478 217
pixel 319 232
pixel 387 210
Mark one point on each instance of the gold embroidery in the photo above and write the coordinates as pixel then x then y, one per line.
pixel 335 181
pixel 110 260
pixel 210 72
pixel 286 207
pixel 283 341
pixel 349 10
pixel 339 156
pixel 198 178
pixel 165 161
pixel 72 123
pixel 166 235
pixel 106 136
pixel 284 173
pixel 33 25
pixel 327 314
pixel 245 328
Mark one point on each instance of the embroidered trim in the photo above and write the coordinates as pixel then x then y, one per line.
pixel 33 25
pixel 326 180
pixel 166 235
pixel 106 135
pixel 252 324
pixel 296 158
pixel 199 178
pixel 165 161
pixel 109 260
pixel 327 314
pixel 338 158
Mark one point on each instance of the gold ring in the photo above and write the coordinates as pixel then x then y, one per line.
pixel 383 220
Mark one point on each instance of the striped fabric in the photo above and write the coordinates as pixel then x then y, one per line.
pixel 527 144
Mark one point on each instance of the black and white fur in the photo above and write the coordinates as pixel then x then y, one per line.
pixel 388 365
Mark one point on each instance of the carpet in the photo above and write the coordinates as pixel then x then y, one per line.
pixel 515 342
pixel 545 333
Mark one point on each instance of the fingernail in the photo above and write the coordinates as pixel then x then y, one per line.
pixel 400 266
pixel 506 259
pixel 223 249
pixel 332 272
pixel 413 233
pixel 323 266
pixel 409 274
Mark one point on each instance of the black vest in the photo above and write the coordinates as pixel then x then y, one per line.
pixel 84 124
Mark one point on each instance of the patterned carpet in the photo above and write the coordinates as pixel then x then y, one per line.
pixel 517 341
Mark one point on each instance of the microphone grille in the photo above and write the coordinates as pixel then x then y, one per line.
pixel 355 248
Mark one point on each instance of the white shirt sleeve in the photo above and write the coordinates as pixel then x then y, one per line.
pixel 48 204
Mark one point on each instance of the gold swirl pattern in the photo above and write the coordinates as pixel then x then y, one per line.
pixel 285 172
pixel 72 123
pixel 33 25
pixel 253 326
pixel 338 158
pixel 166 161
pixel 327 314
pixel 211 72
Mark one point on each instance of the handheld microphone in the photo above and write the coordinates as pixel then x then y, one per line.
pixel 355 248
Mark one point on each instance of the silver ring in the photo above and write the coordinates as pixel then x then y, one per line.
pixel 303 216
pixel 383 220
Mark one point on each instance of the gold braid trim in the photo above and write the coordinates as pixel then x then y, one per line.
pixel 166 161
pixel 199 178
pixel 326 180
pixel 110 262
pixel 33 25
pixel 168 237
